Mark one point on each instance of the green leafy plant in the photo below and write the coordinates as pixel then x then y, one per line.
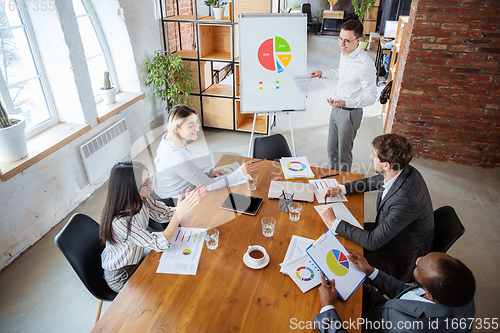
pixel 215 3
pixel 361 7
pixel 294 6
pixel 107 83
pixel 170 77
pixel 4 117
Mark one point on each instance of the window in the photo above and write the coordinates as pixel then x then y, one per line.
pixel 95 46
pixel 23 85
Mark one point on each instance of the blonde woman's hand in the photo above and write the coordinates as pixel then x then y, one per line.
pixel 217 173
pixel 249 167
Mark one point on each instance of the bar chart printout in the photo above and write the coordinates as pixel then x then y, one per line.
pixel 184 253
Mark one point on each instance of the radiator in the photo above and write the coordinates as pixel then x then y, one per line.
pixel 101 152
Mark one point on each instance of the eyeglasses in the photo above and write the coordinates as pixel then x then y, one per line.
pixel 147 181
pixel 346 41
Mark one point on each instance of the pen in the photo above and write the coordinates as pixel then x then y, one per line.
pixel 259 161
pixel 335 174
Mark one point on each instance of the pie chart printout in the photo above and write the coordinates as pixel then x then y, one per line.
pixel 337 262
pixel 275 54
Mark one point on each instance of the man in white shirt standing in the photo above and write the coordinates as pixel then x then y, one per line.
pixel 355 89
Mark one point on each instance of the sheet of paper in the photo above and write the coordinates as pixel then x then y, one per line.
pixel 296 248
pixel 231 168
pixel 296 167
pixel 184 253
pixel 330 256
pixel 304 272
pixel 342 213
pixel 321 184
pixel 306 83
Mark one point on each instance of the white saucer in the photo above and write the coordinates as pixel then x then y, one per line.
pixel 246 260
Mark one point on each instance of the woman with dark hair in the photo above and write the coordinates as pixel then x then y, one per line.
pixel 125 219
pixel 176 169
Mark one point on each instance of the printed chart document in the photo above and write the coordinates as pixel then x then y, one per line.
pixel 330 256
pixel 306 83
pixel 296 167
pixel 296 249
pixel 321 184
pixel 342 213
pixel 303 271
pixel 184 253
pixel 231 168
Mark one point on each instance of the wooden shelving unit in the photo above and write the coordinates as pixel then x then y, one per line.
pixel 394 70
pixel 216 102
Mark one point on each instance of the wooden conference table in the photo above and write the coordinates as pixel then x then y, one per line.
pixel 225 295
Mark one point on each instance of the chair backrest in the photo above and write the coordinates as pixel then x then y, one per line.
pixel 80 243
pixel 271 147
pixel 447 228
pixel 306 9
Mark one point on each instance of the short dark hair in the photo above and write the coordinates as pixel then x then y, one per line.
pixel 455 284
pixel 353 25
pixel 393 148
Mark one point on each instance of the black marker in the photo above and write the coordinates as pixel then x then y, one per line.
pixel 335 174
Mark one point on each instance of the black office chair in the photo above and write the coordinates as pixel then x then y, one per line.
pixel 447 229
pixel 80 243
pixel 312 22
pixel 271 147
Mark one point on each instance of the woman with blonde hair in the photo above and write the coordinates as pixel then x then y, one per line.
pixel 175 166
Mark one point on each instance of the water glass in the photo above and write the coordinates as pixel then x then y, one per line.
pixel 268 224
pixel 252 181
pixel 212 238
pixel 294 209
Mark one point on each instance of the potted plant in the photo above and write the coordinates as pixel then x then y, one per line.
pixel 170 77
pixel 217 6
pixel 361 7
pixel 107 92
pixel 13 144
pixel 332 3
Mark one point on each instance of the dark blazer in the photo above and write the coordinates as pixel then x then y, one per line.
pixel 404 226
pixel 423 316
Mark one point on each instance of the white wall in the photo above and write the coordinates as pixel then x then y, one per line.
pixel 41 196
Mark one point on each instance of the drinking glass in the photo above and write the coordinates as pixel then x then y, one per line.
pixel 294 209
pixel 268 225
pixel 252 181
pixel 212 239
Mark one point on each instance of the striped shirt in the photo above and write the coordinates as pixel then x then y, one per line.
pixel 129 250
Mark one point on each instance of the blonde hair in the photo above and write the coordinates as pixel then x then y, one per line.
pixel 176 117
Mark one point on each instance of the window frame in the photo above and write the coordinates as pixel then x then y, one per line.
pixel 94 20
pixel 37 59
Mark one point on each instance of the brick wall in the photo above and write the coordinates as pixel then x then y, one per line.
pixel 448 98
pixel 186 33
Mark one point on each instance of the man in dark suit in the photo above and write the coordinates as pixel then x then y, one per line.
pixel 404 226
pixel 441 301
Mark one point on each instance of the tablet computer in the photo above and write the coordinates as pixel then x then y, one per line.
pixel 241 203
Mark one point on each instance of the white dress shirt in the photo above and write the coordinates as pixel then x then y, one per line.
pixel 356 79
pixel 176 170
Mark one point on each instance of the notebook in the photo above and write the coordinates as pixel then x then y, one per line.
pixel 302 191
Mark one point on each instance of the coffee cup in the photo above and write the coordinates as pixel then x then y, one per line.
pixel 256 255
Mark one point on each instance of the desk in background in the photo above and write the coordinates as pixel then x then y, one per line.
pixel 225 295
pixel 331 20
pixel 379 58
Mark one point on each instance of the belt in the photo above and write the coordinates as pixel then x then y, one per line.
pixel 348 109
